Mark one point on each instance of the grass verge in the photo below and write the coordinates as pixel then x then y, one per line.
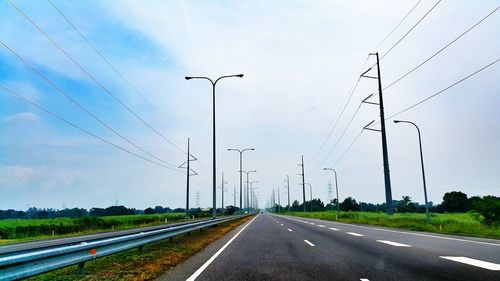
pixel 154 260
pixel 23 230
pixel 459 223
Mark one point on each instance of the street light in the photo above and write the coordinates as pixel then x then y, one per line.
pixel 213 103
pixel 427 219
pixel 336 188
pixel 311 193
pixel 246 191
pixel 252 189
pixel 241 170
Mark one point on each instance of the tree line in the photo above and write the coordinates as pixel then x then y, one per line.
pixel 487 207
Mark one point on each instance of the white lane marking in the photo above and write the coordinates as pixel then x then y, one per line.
pixel 289 230
pixel 310 244
pixel 474 262
pixel 281 224
pixel 209 261
pixel 333 228
pixel 320 225
pixel 354 234
pixel 312 223
pixel 395 244
pixel 364 279
pixel 419 234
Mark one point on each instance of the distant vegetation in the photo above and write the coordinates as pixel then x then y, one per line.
pixel 457 214
pixel 45 223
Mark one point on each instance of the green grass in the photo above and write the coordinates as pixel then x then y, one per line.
pixel 17 230
pixel 150 263
pixel 456 223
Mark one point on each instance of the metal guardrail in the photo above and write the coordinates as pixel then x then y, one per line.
pixel 17 265
pixel 5 250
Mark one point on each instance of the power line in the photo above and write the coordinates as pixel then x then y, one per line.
pixel 78 104
pixel 93 78
pixel 84 130
pixel 347 149
pixel 107 61
pixel 401 39
pixel 394 29
pixel 440 50
pixel 341 112
pixel 445 89
pixel 340 137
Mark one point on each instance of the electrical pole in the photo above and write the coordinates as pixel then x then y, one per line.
pixel 189 173
pixel 288 188
pixel 303 184
pixel 387 176
pixel 279 200
pixel 234 195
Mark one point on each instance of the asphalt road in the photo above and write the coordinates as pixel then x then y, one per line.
pixel 287 248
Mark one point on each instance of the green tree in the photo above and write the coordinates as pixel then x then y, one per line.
pixel 454 202
pixel 489 208
pixel 349 204
pixel 406 205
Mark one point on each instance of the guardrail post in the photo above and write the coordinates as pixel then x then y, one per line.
pixel 81 270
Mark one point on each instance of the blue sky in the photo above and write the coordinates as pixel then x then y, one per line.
pixel 300 60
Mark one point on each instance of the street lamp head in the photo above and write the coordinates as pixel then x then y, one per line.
pixel 187 77
pixel 396 121
pixel 239 75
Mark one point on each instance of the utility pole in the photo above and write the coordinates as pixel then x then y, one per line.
pixel 330 196
pixel 197 199
pixel 279 200
pixel 222 188
pixel 288 188
pixel 303 184
pixel 234 195
pixel 387 176
pixel 189 173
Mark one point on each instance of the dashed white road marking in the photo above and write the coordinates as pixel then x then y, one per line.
pixel 281 224
pixel 320 225
pixel 209 261
pixel 310 244
pixel 312 223
pixel 395 244
pixel 289 230
pixel 474 262
pixel 354 234
pixel 364 279
pixel 333 228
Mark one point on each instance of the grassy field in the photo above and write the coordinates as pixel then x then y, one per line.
pixel 16 230
pixel 460 223
pixel 151 263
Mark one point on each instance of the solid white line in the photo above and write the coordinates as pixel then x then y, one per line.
pixel 289 230
pixel 209 261
pixel 320 225
pixel 474 262
pixel 354 234
pixel 333 228
pixel 310 244
pixel 395 244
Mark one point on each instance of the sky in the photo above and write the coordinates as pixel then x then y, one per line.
pixel 301 61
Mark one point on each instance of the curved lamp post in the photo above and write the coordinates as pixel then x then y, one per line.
pixel 427 219
pixel 246 191
pixel 336 188
pixel 241 171
pixel 213 102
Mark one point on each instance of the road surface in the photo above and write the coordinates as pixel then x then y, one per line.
pixel 271 247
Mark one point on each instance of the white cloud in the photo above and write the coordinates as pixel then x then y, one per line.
pixel 28 117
